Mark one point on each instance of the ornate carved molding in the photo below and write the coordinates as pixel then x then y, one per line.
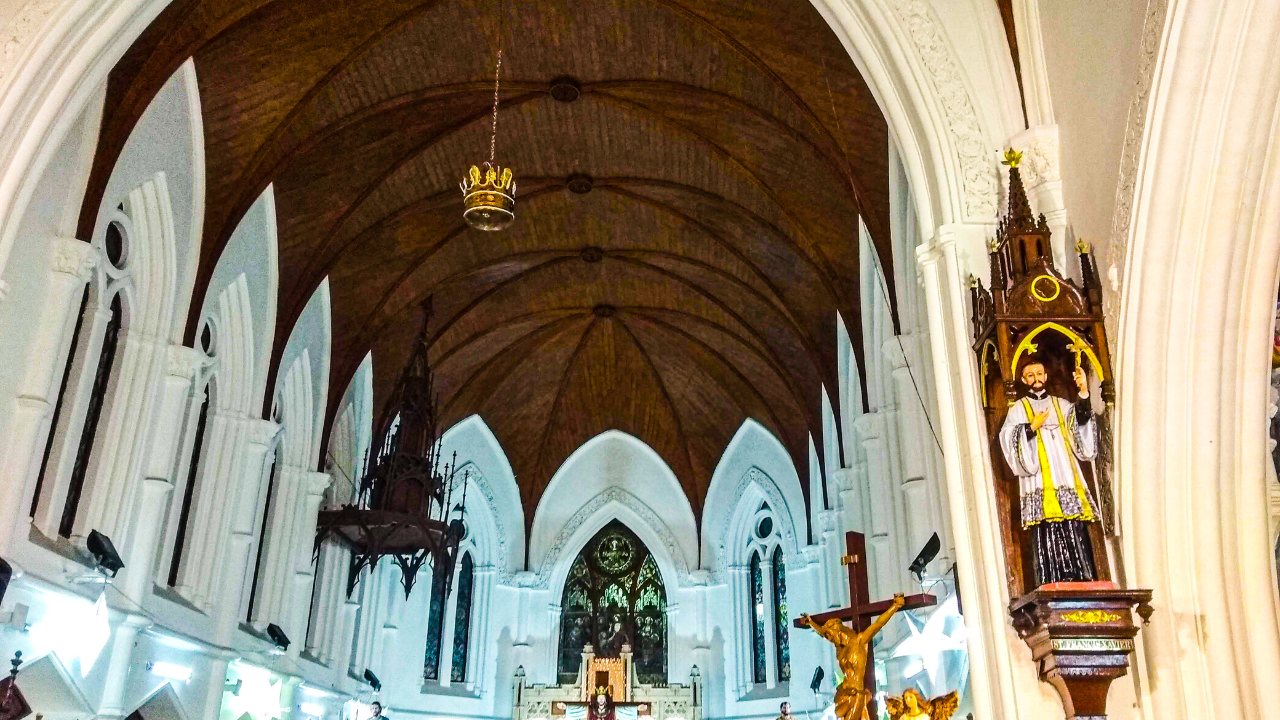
pixel 72 257
pixel 896 350
pixel 505 576
pixel 632 503
pixel 1041 162
pixel 781 513
pixel 317 482
pixel 977 159
pixel 1134 129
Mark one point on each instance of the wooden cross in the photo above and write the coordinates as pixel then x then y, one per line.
pixel 861 611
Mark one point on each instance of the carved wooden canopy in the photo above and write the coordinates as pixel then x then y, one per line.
pixel 688 278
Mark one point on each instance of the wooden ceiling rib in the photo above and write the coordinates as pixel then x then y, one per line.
pixel 733 149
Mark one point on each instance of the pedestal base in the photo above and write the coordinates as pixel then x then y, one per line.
pixel 1080 638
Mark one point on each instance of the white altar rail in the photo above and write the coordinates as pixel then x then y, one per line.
pixel 664 702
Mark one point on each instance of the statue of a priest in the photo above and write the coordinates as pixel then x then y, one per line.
pixel 1044 438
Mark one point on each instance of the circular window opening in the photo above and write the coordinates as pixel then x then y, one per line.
pixel 765 528
pixel 206 339
pixel 114 245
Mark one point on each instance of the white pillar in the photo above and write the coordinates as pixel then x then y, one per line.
pixel 242 529
pixel 882 543
pixel 114 685
pixel 70 264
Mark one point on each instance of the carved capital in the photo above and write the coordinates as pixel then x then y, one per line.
pixel 262 432
pixel 845 478
pixel 183 361
pixel 869 425
pixel 317 482
pixel 898 350
pixel 69 256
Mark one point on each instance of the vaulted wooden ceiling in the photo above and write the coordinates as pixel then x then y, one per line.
pixel 731 148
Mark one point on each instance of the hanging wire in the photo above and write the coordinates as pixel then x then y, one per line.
pixel 497 79
pixel 875 259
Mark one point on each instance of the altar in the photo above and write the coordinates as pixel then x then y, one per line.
pixel 616 677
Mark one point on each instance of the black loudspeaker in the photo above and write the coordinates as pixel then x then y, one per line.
pixel 277 636
pixel 104 553
pixel 925 557
pixel 372 679
pixel 817 679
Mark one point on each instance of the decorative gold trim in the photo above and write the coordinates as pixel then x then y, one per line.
pixel 1057 288
pixel 1027 346
pixel 1090 617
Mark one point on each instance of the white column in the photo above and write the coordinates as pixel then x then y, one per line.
pixel 170 441
pixel 298 600
pixel 882 543
pixel 71 263
pixel 242 529
pixel 114 685
pixel 478 642
pixel 740 591
pixel 554 614
pixel 138 570
pixel 995 680
pixel 922 504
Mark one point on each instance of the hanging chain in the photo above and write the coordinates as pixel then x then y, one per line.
pixel 493 139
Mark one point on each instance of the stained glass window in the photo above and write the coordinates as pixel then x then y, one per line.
pixel 462 621
pixel 614 594
pixel 98 396
pixel 189 494
pixel 435 622
pixel 757 619
pixel 782 648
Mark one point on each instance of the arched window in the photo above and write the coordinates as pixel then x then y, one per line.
pixel 97 397
pixel 193 472
pixel 462 620
pixel 614 594
pixel 435 620
pixel 781 642
pixel 757 620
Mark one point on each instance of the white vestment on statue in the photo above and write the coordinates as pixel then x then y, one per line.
pixel 1047 463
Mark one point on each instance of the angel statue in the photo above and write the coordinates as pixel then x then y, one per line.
pixel 913 706
pixel 851 655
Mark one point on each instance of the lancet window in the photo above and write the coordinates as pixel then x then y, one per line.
pixel 193 473
pixel 767 652
pixel 614 595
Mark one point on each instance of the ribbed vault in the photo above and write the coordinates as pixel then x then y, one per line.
pixel 692 283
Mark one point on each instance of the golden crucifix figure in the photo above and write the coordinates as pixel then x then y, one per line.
pixel 913 706
pixel 851 656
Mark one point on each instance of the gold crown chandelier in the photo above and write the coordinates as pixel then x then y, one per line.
pixel 489 195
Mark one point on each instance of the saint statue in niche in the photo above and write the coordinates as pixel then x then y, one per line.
pixel 1043 439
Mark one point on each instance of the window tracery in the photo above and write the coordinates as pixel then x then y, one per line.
pixel 614 594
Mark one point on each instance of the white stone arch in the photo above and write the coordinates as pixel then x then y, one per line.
pixel 753 458
pixel 1197 309
pixel 63 49
pixel 613 460
pixel 613 504
pixel 492 489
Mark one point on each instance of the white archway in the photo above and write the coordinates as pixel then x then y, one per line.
pixel 1196 313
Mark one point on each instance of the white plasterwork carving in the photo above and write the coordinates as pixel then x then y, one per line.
pixel 1040 163
pixel 977 160
pixel 505 576
pixel 72 257
pixel 632 503
pixel 782 512
pixel 1135 126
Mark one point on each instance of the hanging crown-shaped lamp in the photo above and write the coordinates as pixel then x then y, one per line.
pixel 489 191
